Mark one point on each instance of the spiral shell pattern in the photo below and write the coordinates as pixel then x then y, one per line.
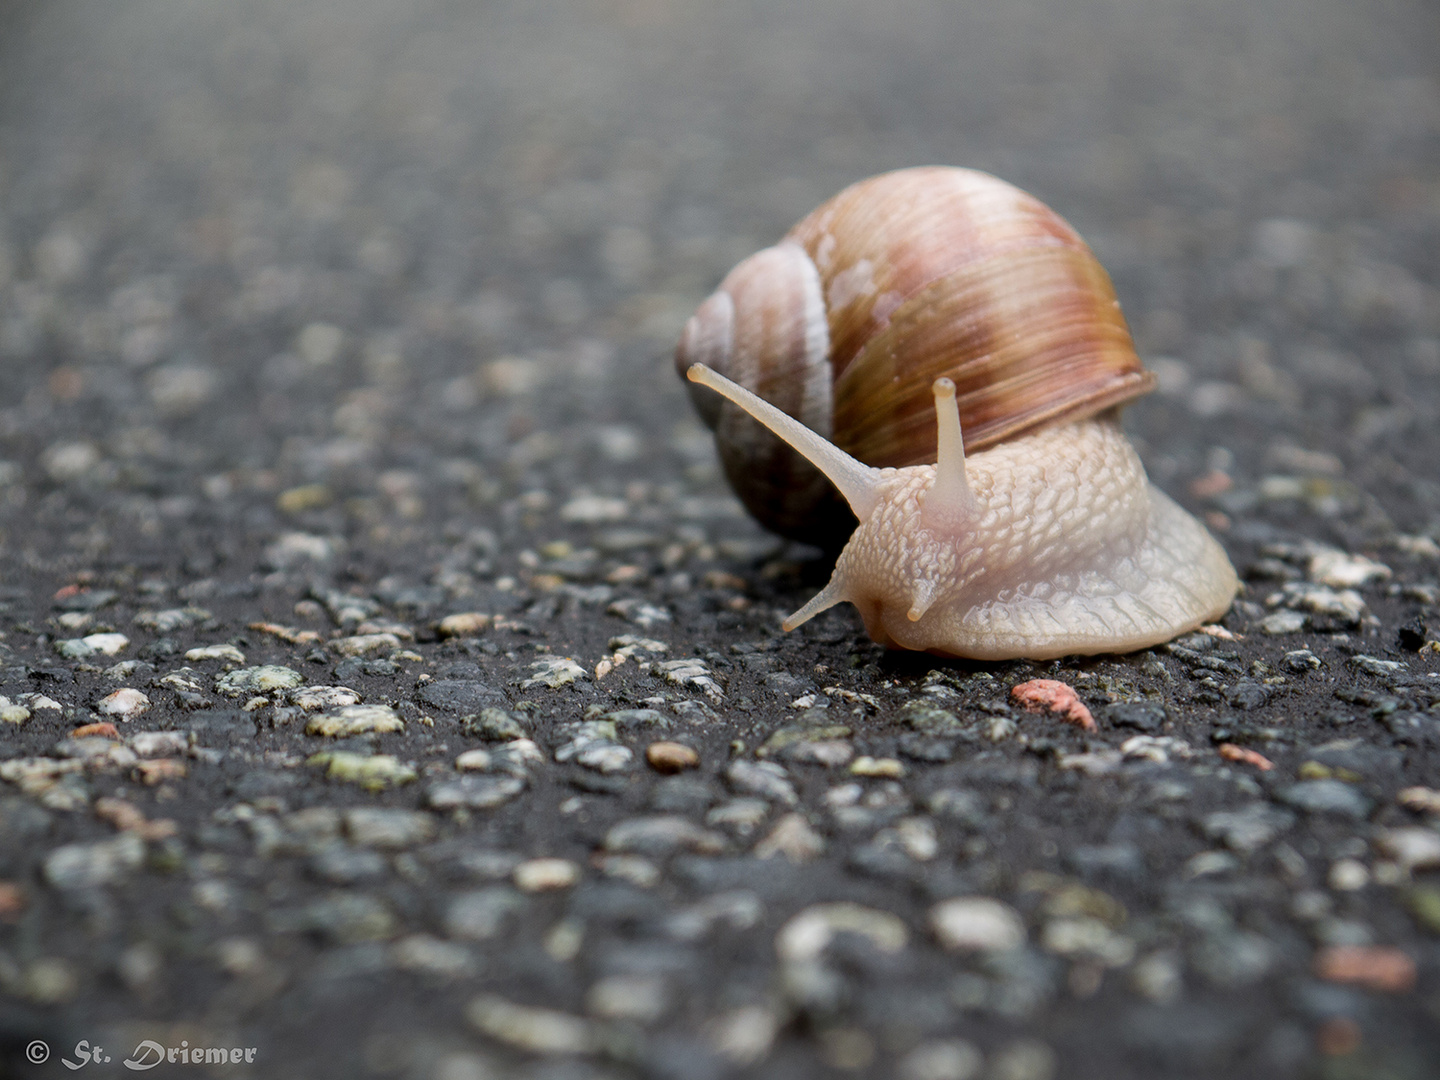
pixel 894 282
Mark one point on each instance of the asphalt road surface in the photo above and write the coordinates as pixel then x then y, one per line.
pixel 389 685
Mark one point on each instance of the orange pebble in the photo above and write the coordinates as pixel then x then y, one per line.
pixel 1231 752
pixel 108 730
pixel 671 757
pixel 1375 967
pixel 1051 695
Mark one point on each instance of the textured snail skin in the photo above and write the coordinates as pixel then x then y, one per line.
pixel 1052 544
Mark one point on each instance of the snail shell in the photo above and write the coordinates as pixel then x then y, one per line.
pixel 941 315
pixel 897 281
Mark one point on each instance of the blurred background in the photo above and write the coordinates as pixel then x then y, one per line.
pixel 247 244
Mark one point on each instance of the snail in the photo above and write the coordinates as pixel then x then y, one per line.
pixel 1036 532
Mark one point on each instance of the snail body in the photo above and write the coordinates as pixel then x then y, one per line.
pixel 1036 532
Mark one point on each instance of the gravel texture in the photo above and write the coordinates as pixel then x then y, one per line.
pixel 389 685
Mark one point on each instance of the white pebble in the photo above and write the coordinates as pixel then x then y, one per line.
pixel 542 875
pixel 124 704
pixel 977 924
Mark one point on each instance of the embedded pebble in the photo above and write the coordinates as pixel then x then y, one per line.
pixel 384 827
pixel 1341 571
pixel 1085 936
pixel 888 768
pixel 473 792
pixel 1412 848
pixel 464 624
pixel 1326 797
pixel 1249 828
pixel 158 771
pixel 1144 716
pixel 372 772
pixel 355 720
pixel 763 778
pixel 632 868
pixel 158 744
pixel 554 672
pixel 951 1059
pixel 316 698
pixel 531 1029
pixel 127 670
pixel 1229 958
pixel 591 743
pixel 1375 967
pixel 494 725
pixel 1158 977
pixel 743 815
pixel 635 718
pixel 474 761
pixel 1424 905
pixel 594 510
pixel 483 913
pixel 1284 622
pixel 792 837
pixel 641 998
pixel 1372 665
pixel 433 956
pixel 228 653
pixel 12 713
pixel 807 935
pixel 73 867
pixel 1420 799
pixel 671 757
pixel 258 680
pixel 297 548
pixel 170 619
pixel 1348 875
pixel 1245 756
pixel 915 836
pixel 95 751
pixel 363 644
pixel 694 672
pixel 48 981
pixel 1023 1059
pixel 662 835
pixel 545 875
pixel 1051 695
pixel 1346 605
pixel 124 704
pixel 977 924
pixel 104 644
pixel 341 864
pixel 342 918
pixel 738 909
pixel 517 757
pixel 745 1034
pixel 643 615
